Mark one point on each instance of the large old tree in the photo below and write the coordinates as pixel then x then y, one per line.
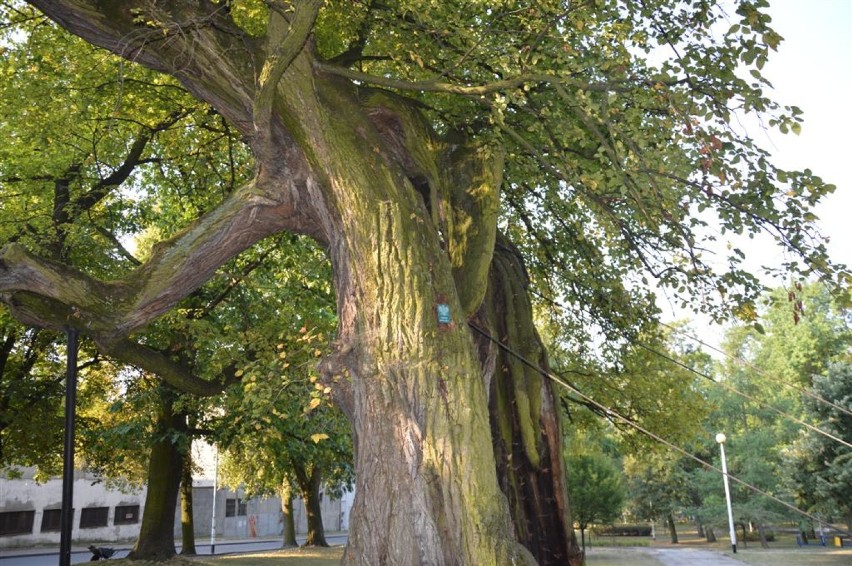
pixel 429 146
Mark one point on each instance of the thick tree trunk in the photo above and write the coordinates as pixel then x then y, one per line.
pixel 409 222
pixel 309 487
pixel 672 529
pixel 426 487
pixel 285 492
pixel 156 534
pixel 316 530
pixel 711 534
pixel 187 523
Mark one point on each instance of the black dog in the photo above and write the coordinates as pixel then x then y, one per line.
pixel 99 552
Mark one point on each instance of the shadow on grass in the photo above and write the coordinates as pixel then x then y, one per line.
pixel 286 557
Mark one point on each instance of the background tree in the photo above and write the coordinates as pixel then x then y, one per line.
pixel 72 201
pixel 281 431
pixel 658 488
pixel 822 468
pixel 30 399
pixel 596 489
pixel 763 390
pixel 541 119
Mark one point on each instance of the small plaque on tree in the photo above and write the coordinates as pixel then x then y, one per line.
pixel 443 310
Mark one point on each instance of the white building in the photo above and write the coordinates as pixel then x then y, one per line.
pixel 30 512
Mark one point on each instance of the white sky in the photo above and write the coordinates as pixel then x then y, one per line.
pixel 812 69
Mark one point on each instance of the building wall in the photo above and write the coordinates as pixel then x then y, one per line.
pixel 260 517
pixel 26 495
pixel 263 516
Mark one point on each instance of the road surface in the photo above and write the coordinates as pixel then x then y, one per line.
pixel 692 557
pixel 50 556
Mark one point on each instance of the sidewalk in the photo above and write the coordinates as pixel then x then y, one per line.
pixel 78 547
pixel 692 557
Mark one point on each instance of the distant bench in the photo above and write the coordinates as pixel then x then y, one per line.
pixel 802 541
pixel 836 540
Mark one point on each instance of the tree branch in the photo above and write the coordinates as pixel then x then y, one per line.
pixel 53 295
pixel 483 89
pixel 173 373
pixel 291 40
pixel 131 161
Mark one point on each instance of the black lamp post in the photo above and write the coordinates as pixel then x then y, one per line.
pixel 67 515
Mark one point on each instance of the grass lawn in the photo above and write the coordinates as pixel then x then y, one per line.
pixel 602 556
pixel 288 557
pixel 606 551
pixel 782 553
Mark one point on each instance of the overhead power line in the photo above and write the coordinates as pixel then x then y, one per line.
pixel 726 386
pixel 744 395
pixel 610 412
pixel 751 366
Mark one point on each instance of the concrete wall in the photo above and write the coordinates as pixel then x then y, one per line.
pixel 25 494
pixel 262 518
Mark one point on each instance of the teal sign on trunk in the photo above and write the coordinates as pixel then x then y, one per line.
pixel 444 314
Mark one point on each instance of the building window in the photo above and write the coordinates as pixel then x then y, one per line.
pixel 235 508
pixel 126 514
pixel 93 517
pixel 16 522
pixel 51 520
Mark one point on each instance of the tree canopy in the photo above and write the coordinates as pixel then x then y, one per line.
pixel 616 120
pixel 448 156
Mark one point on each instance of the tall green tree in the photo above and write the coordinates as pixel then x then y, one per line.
pixel 596 489
pixel 822 466
pixel 764 388
pixel 30 398
pixel 281 431
pixel 400 135
pixel 72 200
pixel 658 487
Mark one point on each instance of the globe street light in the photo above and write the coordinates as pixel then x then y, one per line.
pixel 720 438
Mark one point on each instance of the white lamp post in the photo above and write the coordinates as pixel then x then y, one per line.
pixel 215 488
pixel 720 438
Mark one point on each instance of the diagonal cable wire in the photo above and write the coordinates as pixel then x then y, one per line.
pixel 751 366
pixel 744 395
pixel 730 388
pixel 610 412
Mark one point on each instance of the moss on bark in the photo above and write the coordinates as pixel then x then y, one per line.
pixel 525 418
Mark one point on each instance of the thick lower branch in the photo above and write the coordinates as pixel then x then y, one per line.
pixel 171 372
pixel 177 267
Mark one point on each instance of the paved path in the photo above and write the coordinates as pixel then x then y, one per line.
pixel 691 557
pixel 678 556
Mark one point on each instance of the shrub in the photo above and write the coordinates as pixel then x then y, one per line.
pixel 623 530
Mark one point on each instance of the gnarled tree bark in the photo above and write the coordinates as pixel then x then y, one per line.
pixel 409 221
